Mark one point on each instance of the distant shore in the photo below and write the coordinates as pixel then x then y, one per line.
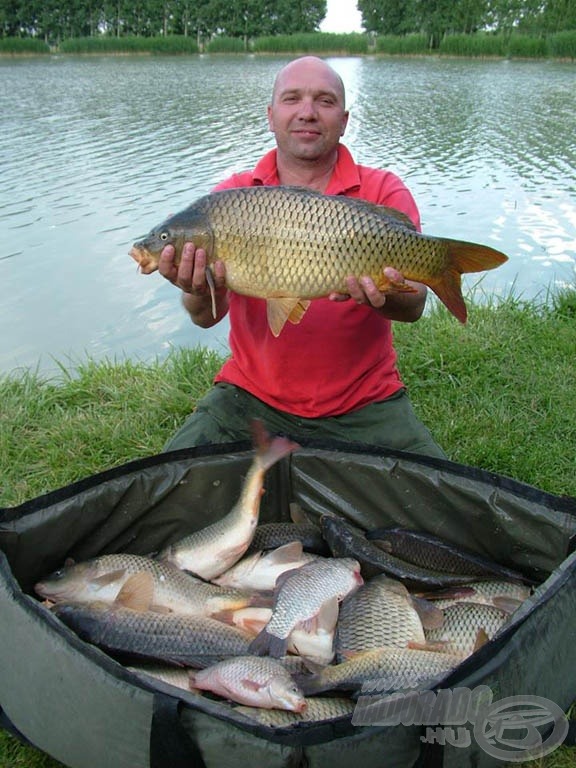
pixel 560 45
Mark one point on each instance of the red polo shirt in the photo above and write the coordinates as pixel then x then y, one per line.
pixel 340 356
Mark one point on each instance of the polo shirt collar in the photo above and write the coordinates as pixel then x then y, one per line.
pixel 345 177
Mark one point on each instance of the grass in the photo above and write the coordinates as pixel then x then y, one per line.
pixel 497 393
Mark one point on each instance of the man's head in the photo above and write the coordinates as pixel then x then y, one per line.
pixel 308 113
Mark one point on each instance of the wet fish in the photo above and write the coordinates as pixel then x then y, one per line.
pixel 431 551
pixel 381 670
pixel 380 613
pixel 301 595
pixel 466 627
pixel 315 642
pixel 317 708
pixel 289 245
pixel 346 540
pixel 253 681
pixel 508 596
pixel 177 676
pixel 103 577
pixel 212 550
pixel 273 535
pixel 260 570
pixel 185 640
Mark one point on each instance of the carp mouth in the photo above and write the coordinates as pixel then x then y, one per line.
pixel 146 262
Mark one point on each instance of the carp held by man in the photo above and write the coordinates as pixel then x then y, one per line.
pixel 289 245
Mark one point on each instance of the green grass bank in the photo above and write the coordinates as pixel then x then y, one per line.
pixel 497 393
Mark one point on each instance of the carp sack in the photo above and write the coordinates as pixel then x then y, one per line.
pixel 289 245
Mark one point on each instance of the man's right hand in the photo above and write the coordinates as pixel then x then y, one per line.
pixel 190 277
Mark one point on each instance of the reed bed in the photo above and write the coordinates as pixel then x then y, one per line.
pixel 314 42
pixel 482 44
pixel 23 45
pixel 172 45
pixel 402 45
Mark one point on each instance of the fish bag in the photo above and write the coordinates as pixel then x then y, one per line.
pixel 85 708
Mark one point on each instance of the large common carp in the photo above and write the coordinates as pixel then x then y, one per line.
pixel 290 244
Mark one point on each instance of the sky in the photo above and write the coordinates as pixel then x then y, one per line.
pixel 342 16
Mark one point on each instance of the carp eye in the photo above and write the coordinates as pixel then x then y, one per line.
pixel 163 235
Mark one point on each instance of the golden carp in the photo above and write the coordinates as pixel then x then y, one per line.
pixel 306 595
pixel 290 244
pixel 381 670
pixel 467 626
pixel 380 613
pixel 102 579
pixel 212 550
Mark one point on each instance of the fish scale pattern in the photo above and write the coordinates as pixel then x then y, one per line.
pixel 168 637
pixel 377 615
pixel 285 241
pixel 462 622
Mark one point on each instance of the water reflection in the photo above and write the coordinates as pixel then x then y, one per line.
pixel 95 151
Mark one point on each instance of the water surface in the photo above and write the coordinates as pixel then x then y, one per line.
pixel 94 151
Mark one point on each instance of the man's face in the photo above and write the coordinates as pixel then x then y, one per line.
pixel 307 113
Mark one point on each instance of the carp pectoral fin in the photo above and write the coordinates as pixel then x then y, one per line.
pixel 137 593
pixel 385 285
pixel 212 287
pixel 285 309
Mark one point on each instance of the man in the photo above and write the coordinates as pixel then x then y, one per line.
pixel 333 375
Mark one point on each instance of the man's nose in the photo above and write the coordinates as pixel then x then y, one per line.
pixel 307 109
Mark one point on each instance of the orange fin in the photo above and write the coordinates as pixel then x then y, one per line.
pixel 481 639
pixel 385 285
pixel 137 593
pixel 506 604
pixel 281 310
pixel 463 258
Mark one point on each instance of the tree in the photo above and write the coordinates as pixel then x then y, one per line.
pixel 387 17
pixel 435 19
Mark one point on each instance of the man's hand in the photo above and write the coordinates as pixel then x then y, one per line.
pixel 395 302
pixel 194 278
pixel 190 274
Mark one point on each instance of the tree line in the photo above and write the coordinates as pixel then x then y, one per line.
pixel 438 18
pixel 57 20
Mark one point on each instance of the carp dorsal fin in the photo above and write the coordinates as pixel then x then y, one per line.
pixel 285 309
pixel 394 213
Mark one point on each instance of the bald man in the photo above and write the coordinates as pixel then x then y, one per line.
pixel 333 375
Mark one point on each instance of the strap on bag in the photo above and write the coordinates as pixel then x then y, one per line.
pixel 170 743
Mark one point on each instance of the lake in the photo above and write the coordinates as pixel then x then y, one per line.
pixel 96 150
